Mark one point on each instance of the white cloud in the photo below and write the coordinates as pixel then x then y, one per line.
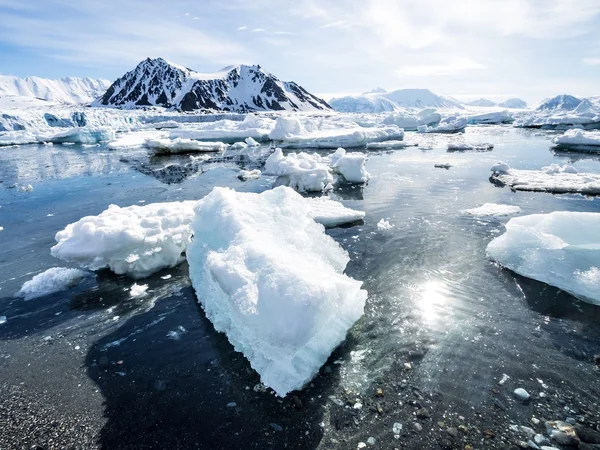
pixel 452 68
pixel 242 28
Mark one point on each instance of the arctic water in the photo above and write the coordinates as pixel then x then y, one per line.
pixel 442 325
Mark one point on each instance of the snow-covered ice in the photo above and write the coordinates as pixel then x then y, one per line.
pixel 302 171
pixel 78 135
pixel 461 146
pixel 249 174
pixel 138 290
pixel 351 166
pixel 384 225
pixel 451 124
pixel 228 131
pixel 561 249
pixel 493 209
pixel 389 145
pixel 135 139
pixel 269 277
pixel 180 145
pixel 495 117
pixel 579 138
pixel 410 120
pixel 17 138
pixel 136 240
pixel 556 179
pixel 53 280
pixel 331 213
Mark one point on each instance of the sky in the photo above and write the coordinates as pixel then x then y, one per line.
pixel 532 49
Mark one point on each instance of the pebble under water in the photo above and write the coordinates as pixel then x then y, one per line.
pixel 446 338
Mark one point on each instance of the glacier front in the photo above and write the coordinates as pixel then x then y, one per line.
pixel 269 277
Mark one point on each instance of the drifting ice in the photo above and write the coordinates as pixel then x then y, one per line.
pixel 351 166
pixel 53 280
pixel 461 147
pixel 561 249
pixel 579 138
pixel 270 278
pixel 179 145
pixel 554 178
pixel 302 172
pixel 493 209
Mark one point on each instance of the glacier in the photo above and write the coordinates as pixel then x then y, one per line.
pixel 561 249
pixel 268 277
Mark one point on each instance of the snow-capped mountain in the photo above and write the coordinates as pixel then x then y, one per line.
pixel 67 90
pixel 393 101
pixel 513 103
pixel 156 82
pixel 483 102
pixel 562 102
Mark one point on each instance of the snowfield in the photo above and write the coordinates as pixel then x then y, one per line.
pixel 561 249
pixel 268 277
pixel 554 178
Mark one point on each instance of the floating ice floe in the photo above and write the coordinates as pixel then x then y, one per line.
pixel 389 145
pixel 350 165
pixel 296 133
pixel 451 124
pixel 563 112
pixel 140 240
pixel 556 179
pixel 384 225
pixel 496 117
pixel 269 278
pixel 493 209
pixel 249 174
pixel 228 131
pixel 300 171
pixel 179 145
pixel 136 139
pixel 410 121
pixel 53 280
pixel 579 140
pixel 79 135
pixel 561 249
pixel 463 147
pixel 136 240
pixel 138 290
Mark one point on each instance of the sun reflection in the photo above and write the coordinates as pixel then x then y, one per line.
pixel 432 296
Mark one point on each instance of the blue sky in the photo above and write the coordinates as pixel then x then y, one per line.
pixel 475 48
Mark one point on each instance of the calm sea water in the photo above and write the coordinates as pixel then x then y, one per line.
pixel 435 300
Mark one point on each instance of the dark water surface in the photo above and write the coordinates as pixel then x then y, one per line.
pixel 93 368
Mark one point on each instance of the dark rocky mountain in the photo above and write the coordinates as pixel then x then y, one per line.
pixel 156 82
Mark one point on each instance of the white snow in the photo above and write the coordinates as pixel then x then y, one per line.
pixel 365 103
pixel 384 225
pixel 351 166
pixel 493 209
pixel 451 124
pixel 136 240
pixel 561 249
pixel 249 174
pixel 135 139
pixel 228 131
pixel 141 240
pixel 579 138
pixel 269 277
pixel 64 90
pixel 17 138
pixel 331 213
pixel 53 280
pixel 562 112
pixel 494 117
pixel 179 145
pixel 556 179
pixel 302 172
pixel 411 120
pixel 138 290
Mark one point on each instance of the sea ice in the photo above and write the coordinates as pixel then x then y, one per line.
pixel 53 280
pixel 136 240
pixel 461 147
pixel 79 135
pixel 410 121
pixel 351 166
pixel 489 118
pixel 556 179
pixel 228 131
pixel 579 138
pixel 389 145
pixel 450 124
pixel 384 225
pixel 138 290
pixel 302 172
pixel 493 209
pixel 179 145
pixel 331 213
pixel 561 249
pixel 269 277
pixel 17 138
pixel 135 139
pixel 249 174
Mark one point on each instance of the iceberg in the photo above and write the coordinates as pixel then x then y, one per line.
pixel 579 140
pixel 228 131
pixel 294 133
pixel 136 240
pixel 450 124
pixel 561 249
pixel 79 135
pixel 491 118
pixel 493 210
pixel 179 145
pixel 556 179
pixel 351 166
pixel 53 280
pixel 409 120
pixel 302 172
pixel 268 277
pixel 140 240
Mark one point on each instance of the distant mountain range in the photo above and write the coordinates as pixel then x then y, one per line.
pixel 67 90
pixel 512 103
pixel 381 101
pixel 156 82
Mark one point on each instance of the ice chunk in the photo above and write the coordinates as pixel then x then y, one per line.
pixel 330 213
pixel 384 225
pixel 554 178
pixel 17 138
pixel 138 290
pixel 352 167
pixel 179 145
pixel 461 147
pixel 579 138
pixel 251 142
pixel 136 240
pixel 302 172
pixel 238 146
pixel 493 209
pixel 135 139
pixel 249 174
pixel 53 280
pixel 79 135
pixel 270 278
pixel 561 249
pixel 389 145
pixel 408 120
pixel 495 117
pixel 296 133
pixel 450 124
